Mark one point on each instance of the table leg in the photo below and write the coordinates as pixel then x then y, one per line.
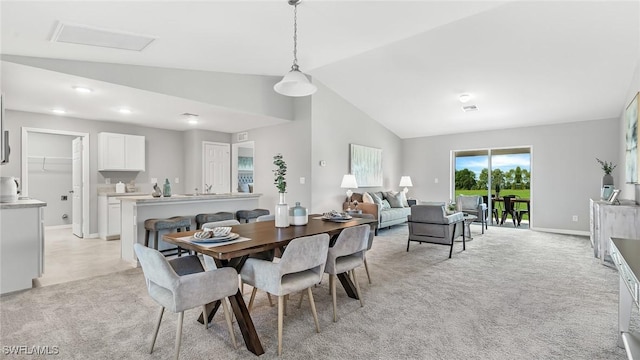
pixel 348 285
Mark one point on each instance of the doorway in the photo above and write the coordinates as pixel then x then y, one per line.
pixel 495 174
pixel 216 169
pixel 50 152
pixel 242 169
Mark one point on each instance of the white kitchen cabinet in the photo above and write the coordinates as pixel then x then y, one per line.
pixel 21 244
pixel 120 152
pixel 108 217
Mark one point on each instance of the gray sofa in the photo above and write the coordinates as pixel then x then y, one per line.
pixel 387 217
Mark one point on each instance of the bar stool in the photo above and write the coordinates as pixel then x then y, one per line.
pixel 219 216
pixel 177 223
pixel 247 215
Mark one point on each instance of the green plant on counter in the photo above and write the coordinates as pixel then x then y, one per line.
pixel 607 166
pixel 280 172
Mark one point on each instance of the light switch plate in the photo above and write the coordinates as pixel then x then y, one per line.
pixel 154 180
pixel 176 180
pixel 302 180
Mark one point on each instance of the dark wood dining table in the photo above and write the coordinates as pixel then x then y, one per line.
pixel 527 202
pixel 264 236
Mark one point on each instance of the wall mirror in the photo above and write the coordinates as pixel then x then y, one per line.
pixel 242 170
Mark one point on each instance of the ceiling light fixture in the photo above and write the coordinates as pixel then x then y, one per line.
pixel 192 119
pixel 295 83
pixel 82 89
pixel 124 111
pixel 58 111
pixel 464 98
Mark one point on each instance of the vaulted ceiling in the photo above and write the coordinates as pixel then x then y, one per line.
pixel 404 63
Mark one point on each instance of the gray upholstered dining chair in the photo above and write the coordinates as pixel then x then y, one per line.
pixel 369 243
pixel 430 223
pixel 346 255
pixel 179 293
pixel 300 267
pixel 269 217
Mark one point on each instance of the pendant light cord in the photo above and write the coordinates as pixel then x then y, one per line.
pixel 295 37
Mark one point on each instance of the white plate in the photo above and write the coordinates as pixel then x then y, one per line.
pixel 231 236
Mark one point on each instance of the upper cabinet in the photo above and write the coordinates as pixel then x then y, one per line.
pixel 120 152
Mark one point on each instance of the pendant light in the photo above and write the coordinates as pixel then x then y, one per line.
pixel 295 83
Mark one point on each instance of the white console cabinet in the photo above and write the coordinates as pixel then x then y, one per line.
pixel 120 152
pixel 608 220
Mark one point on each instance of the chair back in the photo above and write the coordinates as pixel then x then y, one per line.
pixel 508 205
pixel 220 223
pixel 434 214
pixel 352 241
pixel 155 267
pixel 304 253
pixel 468 202
pixel 373 227
pixel 269 217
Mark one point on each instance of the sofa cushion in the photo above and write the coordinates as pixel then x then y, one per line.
pixel 356 197
pixel 385 204
pixel 376 199
pixel 366 198
pixel 395 199
pixel 394 214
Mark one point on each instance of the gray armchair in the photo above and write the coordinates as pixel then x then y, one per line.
pixel 473 205
pixel 431 224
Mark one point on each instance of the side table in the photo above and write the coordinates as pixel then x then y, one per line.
pixel 468 219
pixel 412 202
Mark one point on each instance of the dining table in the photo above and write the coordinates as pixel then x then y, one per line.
pixel 255 238
pixel 496 205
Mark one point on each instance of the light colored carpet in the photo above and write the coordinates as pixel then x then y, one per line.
pixel 513 294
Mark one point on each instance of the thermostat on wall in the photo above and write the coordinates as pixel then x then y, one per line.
pixel 323 163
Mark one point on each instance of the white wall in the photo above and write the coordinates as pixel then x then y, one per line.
pixel 336 123
pixel 564 171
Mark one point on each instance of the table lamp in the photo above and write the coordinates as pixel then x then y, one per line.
pixel 349 182
pixel 405 181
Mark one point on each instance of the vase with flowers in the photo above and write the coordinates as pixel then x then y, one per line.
pixel 607 167
pixel 282 209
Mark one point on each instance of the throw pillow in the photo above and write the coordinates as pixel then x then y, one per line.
pixel 366 198
pixel 394 199
pixel 376 199
pixel 403 197
pixel 385 204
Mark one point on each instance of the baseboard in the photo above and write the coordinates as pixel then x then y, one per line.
pixel 563 231
pixel 55 227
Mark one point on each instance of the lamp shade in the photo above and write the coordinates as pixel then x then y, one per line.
pixel 349 182
pixel 295 84
pixel 405 181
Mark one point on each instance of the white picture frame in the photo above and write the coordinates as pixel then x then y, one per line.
pixel 366 165
pixel 614 197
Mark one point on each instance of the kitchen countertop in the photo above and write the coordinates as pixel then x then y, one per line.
pixel 111 194
pixel 188 197
pixel 25 203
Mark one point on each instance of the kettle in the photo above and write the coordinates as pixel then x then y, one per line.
pixel 8 189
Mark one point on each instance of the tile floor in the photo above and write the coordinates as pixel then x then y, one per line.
pixel 68 258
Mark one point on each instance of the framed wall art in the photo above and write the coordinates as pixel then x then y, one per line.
pixel 366 165
pixel 631 137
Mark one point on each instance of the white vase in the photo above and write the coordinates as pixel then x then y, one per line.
pixel 282 213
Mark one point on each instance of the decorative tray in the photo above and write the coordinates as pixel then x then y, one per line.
pixel 216 239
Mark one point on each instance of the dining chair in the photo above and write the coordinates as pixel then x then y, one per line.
pixel 301 266
pixel 508 210
pixel 270 217
pixel 179 293
pixel 345 255
pixel 369 242
pixel 520 212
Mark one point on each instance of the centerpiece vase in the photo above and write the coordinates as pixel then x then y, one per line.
pixel 282 212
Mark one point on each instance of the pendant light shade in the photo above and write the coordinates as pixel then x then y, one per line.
pixel 295 83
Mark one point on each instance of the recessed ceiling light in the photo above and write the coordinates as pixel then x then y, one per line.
pixel 468 108
pixel 464 98
pixel 124 111
pixel 59 111
pixel 82 89
pixel 192 119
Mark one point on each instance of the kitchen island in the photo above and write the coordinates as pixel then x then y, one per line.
pixel 21 244
pixel 136 209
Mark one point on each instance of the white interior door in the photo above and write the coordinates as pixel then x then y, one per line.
pixel 76 203
pixel 216 167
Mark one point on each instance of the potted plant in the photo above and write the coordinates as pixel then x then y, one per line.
pixel 607 167
pixel 282 210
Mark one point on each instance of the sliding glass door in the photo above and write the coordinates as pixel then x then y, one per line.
pixel 510 170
